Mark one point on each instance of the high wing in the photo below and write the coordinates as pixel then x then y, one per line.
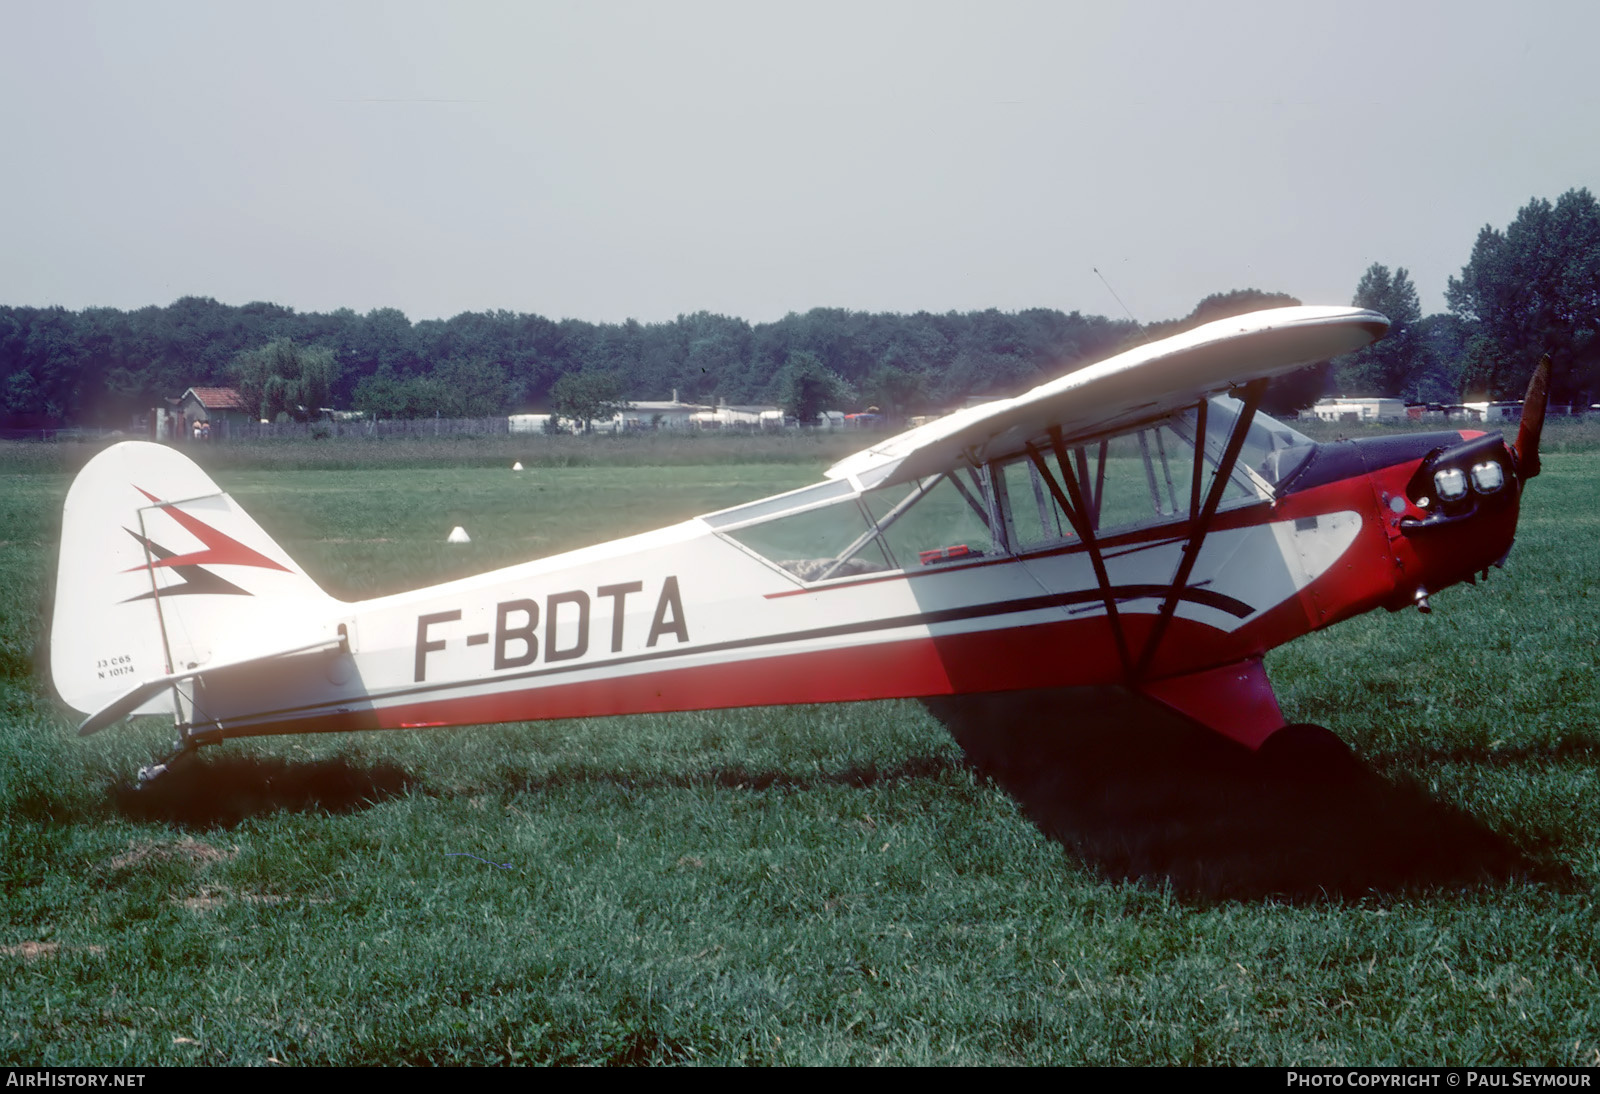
pixel 1139 385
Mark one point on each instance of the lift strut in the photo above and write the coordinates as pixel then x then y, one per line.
pixel 1200 519
pixel 1079 499
pixel 1078 514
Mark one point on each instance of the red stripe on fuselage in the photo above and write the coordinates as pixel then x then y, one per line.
pixel 1005 659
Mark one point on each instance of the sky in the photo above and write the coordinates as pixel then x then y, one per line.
pixel 615 160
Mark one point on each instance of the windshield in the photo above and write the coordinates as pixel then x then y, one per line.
pixel 1272 450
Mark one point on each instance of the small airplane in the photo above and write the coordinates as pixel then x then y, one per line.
pixel 1135 523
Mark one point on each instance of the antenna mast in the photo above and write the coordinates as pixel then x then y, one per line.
pixel 1118 299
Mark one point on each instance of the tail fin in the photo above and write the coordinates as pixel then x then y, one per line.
pixel 162 572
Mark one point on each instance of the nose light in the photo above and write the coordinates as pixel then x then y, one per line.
pixel 1488 477
pixel 1460 483
pixel 1451 483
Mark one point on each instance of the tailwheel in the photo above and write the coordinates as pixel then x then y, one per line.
pixel 182 748
pixel 1310 753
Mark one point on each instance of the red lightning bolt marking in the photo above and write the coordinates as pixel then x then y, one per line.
pixel 221 550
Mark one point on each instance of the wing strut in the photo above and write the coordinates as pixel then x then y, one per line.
pixel 1094 494
pixel 1200 519
pixel 1084 527
pixel 977 507
pixel 1078 497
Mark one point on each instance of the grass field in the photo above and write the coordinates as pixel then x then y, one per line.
pixel 807 885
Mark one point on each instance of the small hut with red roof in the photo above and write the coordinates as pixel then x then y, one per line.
pixel 214 409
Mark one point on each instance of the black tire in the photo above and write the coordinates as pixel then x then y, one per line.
pixel 1310 753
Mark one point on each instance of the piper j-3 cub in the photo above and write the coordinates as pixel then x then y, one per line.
pixel 1136 522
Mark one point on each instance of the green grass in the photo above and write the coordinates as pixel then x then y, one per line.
pixel 809 885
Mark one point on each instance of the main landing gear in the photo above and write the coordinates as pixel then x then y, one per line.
pixel 1310 753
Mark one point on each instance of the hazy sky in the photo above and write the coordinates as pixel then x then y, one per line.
pixel 612 160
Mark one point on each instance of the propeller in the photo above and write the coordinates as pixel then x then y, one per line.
pixel 1526 449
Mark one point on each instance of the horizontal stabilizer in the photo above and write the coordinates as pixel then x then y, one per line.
pixel 127 703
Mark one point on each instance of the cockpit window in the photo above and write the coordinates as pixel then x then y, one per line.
pixel 1036 518
pixel 941 519
pixel 816 544
pixel 1145 476
pixel 1141 477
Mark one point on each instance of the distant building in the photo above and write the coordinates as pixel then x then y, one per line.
pixel 662 413
pixel 1360 408
pixel 540 423
pixel 646 414
pixel 1493 412
pixel 736 417
pixel 200 412
pixel 213 404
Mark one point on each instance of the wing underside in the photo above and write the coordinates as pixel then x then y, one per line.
pixel 1142 384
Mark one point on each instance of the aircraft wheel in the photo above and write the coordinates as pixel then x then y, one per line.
pixel 1309 752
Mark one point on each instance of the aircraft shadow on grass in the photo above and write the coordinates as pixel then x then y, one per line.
pixel 225 790
pixel 1139 792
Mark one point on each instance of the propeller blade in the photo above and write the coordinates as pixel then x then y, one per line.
pixel 1527 447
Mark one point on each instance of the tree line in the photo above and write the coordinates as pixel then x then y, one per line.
pixel 1526 291
pixel 1529 289
pixel 100 366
